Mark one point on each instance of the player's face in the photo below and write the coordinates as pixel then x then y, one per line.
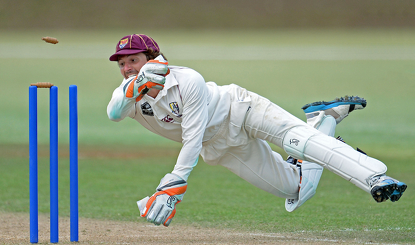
pixel 131 64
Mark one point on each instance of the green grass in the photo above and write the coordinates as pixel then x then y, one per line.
pixel 122 162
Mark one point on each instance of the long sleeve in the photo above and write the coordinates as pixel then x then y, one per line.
pixel 120 106
pixel 194 121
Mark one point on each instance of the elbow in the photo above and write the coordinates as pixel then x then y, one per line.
pixel 115 119
pixel 114 115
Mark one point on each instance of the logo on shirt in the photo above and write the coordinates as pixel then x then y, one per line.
pixel 175 108
pixel 167 119
pixel 146 109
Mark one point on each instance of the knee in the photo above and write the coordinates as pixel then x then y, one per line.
pixel 295 140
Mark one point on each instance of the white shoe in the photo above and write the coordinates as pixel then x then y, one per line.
pixel 385 187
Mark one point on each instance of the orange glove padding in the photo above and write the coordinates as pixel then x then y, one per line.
pixel 160 208
pixel 152 75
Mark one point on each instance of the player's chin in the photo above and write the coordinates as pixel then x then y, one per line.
pixel 127 75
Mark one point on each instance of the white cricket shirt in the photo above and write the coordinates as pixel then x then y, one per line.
pixel 187 110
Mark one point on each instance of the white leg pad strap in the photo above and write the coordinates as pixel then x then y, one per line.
pixel 306 143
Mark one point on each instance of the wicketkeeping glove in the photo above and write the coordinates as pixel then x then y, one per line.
pixel 160 208
pixel 152 75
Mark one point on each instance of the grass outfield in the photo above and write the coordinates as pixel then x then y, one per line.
pixel 122 162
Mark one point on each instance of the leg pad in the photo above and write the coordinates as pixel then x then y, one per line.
pixel 308 144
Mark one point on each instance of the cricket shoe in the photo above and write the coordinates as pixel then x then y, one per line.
pixel 339 108
pixel 400 186
pixel 382 188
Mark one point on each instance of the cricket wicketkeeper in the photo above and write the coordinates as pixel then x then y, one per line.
pixel 230 126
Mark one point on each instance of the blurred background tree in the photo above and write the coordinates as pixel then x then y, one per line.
pixel 212 14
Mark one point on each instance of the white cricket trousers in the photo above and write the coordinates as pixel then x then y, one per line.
pixel 241 146
pixel 247 153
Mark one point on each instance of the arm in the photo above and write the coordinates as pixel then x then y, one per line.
pixel 194 121
pixel 120 106
pixel 160 208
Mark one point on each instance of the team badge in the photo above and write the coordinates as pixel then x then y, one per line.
pixel 174 108
pixel 123 43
